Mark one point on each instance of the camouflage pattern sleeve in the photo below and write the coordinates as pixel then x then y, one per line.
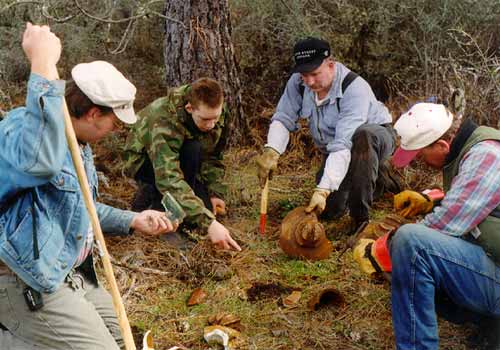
pixel 133 153
pixel 166 141
pixel 212 174
pixel 163 140
pixel 212 170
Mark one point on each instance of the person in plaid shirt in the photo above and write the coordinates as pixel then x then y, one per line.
pixel 447 264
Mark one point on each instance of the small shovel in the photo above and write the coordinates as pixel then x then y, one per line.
pixel 96 227
pixel 263 208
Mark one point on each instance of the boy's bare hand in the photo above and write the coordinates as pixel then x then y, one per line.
pixel 221 238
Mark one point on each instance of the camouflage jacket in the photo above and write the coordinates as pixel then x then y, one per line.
pixel 159 133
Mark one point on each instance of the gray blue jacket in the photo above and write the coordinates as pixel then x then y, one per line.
pixel 331 131
pixel 43 219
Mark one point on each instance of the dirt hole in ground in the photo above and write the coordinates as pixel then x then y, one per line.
pixel 260 291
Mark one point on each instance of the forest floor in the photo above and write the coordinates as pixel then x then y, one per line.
pixel 157 280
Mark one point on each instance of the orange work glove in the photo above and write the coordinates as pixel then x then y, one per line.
pixel 410 204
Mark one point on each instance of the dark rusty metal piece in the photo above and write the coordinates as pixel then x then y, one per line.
pixel 353 239
pixel 374 230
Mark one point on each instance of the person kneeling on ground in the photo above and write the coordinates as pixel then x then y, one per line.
pixel 448 263
pixel 49 294
pixel 176 148
pixel 347 123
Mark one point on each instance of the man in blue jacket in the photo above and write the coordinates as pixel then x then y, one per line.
pixel 350 127
pixel 49 294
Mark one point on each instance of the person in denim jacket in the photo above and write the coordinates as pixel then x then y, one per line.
pixel 46 239
pixel 347 123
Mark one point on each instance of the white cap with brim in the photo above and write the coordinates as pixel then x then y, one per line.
pixel 105 86
pixel 422 125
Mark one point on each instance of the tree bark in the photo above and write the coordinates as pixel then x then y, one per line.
pixel 198 44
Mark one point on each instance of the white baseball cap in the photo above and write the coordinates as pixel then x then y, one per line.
pixel 423 124
pixel 104 85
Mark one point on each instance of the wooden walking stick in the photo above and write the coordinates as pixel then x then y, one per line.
pixel 96 227
pixel 263 207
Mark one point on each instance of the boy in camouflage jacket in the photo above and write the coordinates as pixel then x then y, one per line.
pixel 176 147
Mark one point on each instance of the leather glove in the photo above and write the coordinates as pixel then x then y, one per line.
pixel 373 256
pixel 410 204
pixel 318 201
pixel 359 254
pixel 267 162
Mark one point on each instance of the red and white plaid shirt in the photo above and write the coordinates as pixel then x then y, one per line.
pixel 474 192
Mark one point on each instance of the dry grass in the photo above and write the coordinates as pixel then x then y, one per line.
pixel 156 280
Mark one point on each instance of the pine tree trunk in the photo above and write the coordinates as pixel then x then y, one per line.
pixel 201 47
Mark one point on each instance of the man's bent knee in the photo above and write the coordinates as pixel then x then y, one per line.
pixel 361 144
pixel 410 237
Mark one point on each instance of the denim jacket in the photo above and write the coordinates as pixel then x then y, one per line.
pixel 331 131
pixel 38 181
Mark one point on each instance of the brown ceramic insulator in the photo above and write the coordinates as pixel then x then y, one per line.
pixel 387 226
pixel 395 220
pixel 302 235
pixel 326 297
pixel 383 228
pixel 309 233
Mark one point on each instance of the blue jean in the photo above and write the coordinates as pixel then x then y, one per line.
pixel 426 262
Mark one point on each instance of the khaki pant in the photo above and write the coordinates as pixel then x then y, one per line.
pixel 78 316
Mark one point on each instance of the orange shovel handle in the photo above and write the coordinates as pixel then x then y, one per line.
pixel 263 208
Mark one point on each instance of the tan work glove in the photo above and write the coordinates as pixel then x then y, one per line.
pixel 410 204
pixel 267 162
pixel 373 256
pixel 318 201
pixel 359 254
